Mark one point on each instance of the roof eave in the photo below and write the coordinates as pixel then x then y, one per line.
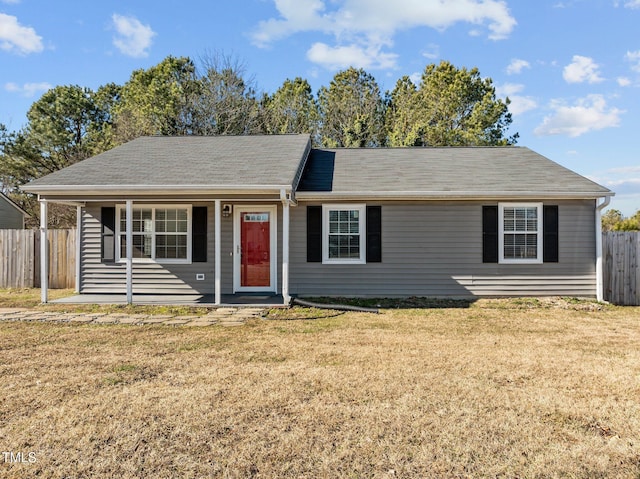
pixel 453 195
pixel 157 190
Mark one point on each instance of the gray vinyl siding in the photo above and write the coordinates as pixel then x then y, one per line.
pixel 10 217
pixel 159 278
pixel 435 249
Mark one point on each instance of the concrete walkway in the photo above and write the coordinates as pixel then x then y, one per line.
pixel 221 316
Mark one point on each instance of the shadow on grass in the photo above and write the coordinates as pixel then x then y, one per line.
pixel 412 302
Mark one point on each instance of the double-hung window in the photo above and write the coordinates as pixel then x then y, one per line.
pixel 520 233
pixel 344 234
pixel 160 233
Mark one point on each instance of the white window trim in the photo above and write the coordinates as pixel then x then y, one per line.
pixel 153 207
pixel 501 233
pixel 362 209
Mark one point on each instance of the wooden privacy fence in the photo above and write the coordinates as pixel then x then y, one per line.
pixel 20 258
pixel 621 271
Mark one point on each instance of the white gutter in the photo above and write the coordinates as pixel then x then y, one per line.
pixel 441 195
pixel 599 273
pixel 146 189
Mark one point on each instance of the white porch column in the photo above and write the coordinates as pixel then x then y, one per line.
pixel 599 272
pixel 129 250
pixel 78 246
pixel 218 254
pixel 285 251
pixel 44 253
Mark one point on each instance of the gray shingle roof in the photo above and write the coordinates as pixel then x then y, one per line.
pixel 195 163
pixel 215 161
pixel 441 172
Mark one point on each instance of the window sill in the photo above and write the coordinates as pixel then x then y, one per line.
pixel 343 261
pixel 520 261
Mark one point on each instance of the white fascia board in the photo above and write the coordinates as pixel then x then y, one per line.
pixel 467 195
pixel 90 190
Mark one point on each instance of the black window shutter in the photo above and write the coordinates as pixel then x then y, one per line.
pixel 199 234
pixel 374 234
pixel 550 233
pixel 108 242
pixel 314 234
pixel 490 234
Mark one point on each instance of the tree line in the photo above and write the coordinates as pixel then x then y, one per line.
pixel 449 106
pixel 614 220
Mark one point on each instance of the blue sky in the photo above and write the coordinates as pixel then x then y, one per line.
pixel 571 68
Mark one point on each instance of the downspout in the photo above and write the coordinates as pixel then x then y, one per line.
pixel 599 273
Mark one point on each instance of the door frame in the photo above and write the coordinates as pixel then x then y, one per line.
pixel 238 210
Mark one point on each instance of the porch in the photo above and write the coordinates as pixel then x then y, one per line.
pixel 243 258
pixel 205 300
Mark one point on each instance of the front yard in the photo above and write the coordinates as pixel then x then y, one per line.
pixel 497 389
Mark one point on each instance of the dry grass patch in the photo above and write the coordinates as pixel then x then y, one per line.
pixel 30 298
pixel 486 391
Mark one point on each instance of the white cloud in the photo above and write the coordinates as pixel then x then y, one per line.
pixel 18 38
pixel 632 4
pixel 519 104
pixel 351 55
pixel 634 59
pixel 28 90
pixel 580 70
pixel 133 38
pixel 298 15
pixel 11 2
pixel 371 24
pixel 432 51
pixel 588 114
pixel 625 182
pixel 516 66
pixel 623 81
pixel 626 171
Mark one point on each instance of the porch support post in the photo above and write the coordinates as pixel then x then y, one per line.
pixel 285 247
pixel 44 253
pixel 218 253
pixel 129 250
pixel 78 245
pixel 599 269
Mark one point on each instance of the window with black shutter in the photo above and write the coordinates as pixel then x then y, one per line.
pixel 342 234
pixel 520 233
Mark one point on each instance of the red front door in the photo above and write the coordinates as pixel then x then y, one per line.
pixel 255 263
